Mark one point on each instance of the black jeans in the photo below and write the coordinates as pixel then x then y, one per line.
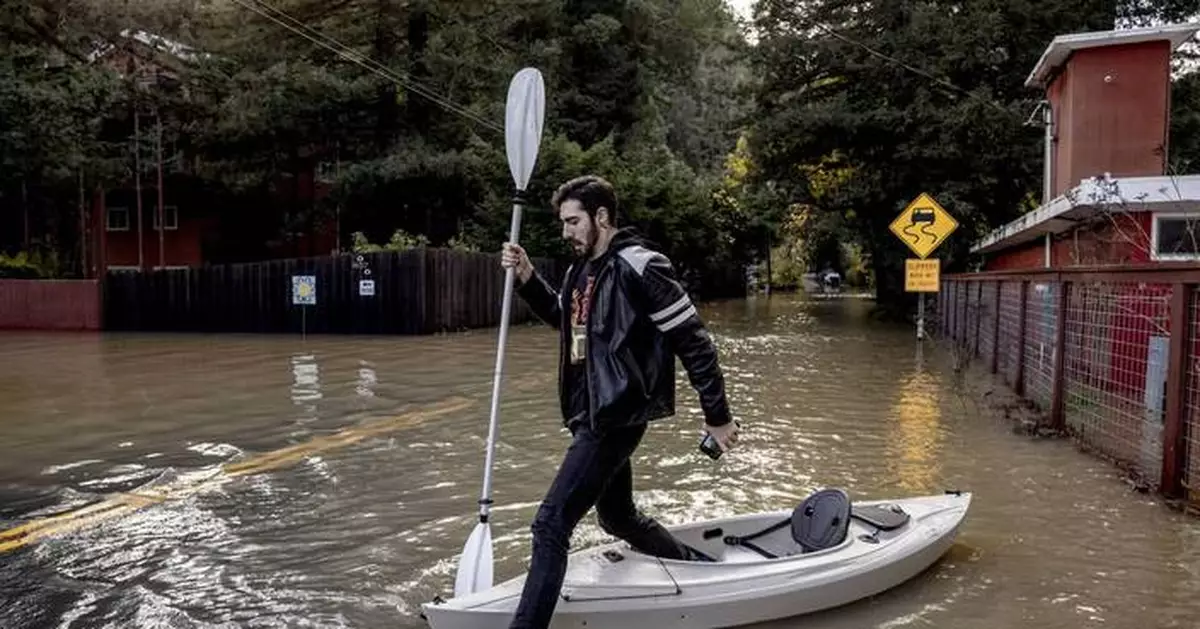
pixel 595 471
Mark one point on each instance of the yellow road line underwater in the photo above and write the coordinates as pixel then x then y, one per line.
pixel 119 504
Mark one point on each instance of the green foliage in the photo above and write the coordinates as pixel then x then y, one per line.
pixel 649 94
pixel 400 241
pixel 29 265
pixel 722 152
pixel 825 102
pixel 1185 124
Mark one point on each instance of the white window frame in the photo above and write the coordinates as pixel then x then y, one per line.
pixel 171 214
pixel 1170 257
pixel 108 213
pixel 326 172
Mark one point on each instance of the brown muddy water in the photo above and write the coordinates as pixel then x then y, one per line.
pixel 247 481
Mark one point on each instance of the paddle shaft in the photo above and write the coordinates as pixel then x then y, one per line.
pixel 485 499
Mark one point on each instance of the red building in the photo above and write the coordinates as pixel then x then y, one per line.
pixel 188 216
pixel 1108 198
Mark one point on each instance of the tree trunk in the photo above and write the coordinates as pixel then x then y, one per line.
pixel 891 302
pixel 388 111
pixel 85 269
pixel 137 186
pixel 25 210
pixel 767 243
pixel 162 223
pixel 419 108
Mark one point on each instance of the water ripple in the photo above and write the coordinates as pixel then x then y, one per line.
pixel 359 536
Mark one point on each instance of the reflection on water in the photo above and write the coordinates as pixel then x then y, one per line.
pixel 244 481
pixel 366 380
pixel 914 450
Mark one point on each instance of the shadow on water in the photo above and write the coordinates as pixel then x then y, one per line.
pixel 292 486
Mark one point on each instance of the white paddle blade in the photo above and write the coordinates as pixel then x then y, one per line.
pixel 523 117
pixel 475 565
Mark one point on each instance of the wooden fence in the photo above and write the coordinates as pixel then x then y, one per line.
pixel 49 304
pixel 419 291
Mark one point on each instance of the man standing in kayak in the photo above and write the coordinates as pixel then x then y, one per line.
pixel 622 318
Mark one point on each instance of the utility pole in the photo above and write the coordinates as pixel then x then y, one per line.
pixel 162 224
pixel 137 184
pixel 84 267
pixel 25 210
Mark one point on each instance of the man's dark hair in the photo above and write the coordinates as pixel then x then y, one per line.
pixel 591 192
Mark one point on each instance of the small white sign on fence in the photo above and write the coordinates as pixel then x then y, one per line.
pixel 366 288
pixel 304 290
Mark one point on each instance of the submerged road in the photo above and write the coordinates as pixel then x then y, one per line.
pixel 247 481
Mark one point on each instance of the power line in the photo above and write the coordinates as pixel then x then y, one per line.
pixel 262 4
pixel 886 57
pixel 346 52
pixel 366 62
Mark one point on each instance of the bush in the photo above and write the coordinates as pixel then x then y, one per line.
pixel 400 241
pixel 26 266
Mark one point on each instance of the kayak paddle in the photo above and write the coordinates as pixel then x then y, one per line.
pixel 523 117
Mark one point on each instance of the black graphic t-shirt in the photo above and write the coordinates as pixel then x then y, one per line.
pixel 576 385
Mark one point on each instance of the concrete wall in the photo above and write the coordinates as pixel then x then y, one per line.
pixel 50 304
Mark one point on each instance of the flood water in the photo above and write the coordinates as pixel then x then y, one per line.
pixel 360 519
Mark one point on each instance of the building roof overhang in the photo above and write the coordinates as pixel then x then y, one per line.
pixel 1091 198
pixel 1063 46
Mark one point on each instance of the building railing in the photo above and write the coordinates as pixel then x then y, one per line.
pixel 1110 356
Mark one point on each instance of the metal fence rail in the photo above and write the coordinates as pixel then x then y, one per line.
pixel 1191 475
pixel 1110 355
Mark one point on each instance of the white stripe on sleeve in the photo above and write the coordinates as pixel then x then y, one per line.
pixel 672 309
pixel 673 323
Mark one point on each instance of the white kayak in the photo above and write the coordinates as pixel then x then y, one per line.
pixel 752 578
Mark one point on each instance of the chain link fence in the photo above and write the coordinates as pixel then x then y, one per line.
pixel 1110 357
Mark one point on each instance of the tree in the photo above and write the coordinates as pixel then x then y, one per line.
pixel 834 86
pixel 1184 143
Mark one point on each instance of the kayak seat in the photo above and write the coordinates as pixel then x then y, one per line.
pixel 821 521
pixel 882 517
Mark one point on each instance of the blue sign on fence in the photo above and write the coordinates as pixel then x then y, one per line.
pixel 304 290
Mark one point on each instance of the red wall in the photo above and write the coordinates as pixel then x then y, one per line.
pixel 1118 126
pixel 1123 239
pixel 181 247
pixel 1019 258
pixel 50 304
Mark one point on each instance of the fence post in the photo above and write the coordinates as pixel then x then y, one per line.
pixel 1173 432
pixel 952 311
pixel 996 330
pixel 978 314
pixel 1019 377
pixel 1058 389
pixel 964 322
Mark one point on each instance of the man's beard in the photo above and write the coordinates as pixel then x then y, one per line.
pixel 583 250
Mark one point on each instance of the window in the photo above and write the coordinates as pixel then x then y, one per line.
pixel 1176 237
pixel 170 215
pixel 327 172
pixel 117 219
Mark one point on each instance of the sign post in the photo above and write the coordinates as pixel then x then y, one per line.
pixel 923 226
pixel 304 294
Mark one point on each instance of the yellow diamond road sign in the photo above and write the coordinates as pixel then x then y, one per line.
pixel 924 225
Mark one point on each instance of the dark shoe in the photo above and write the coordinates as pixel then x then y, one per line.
pixel 695 555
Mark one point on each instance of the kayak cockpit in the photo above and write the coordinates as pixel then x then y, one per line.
pixel 825 521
